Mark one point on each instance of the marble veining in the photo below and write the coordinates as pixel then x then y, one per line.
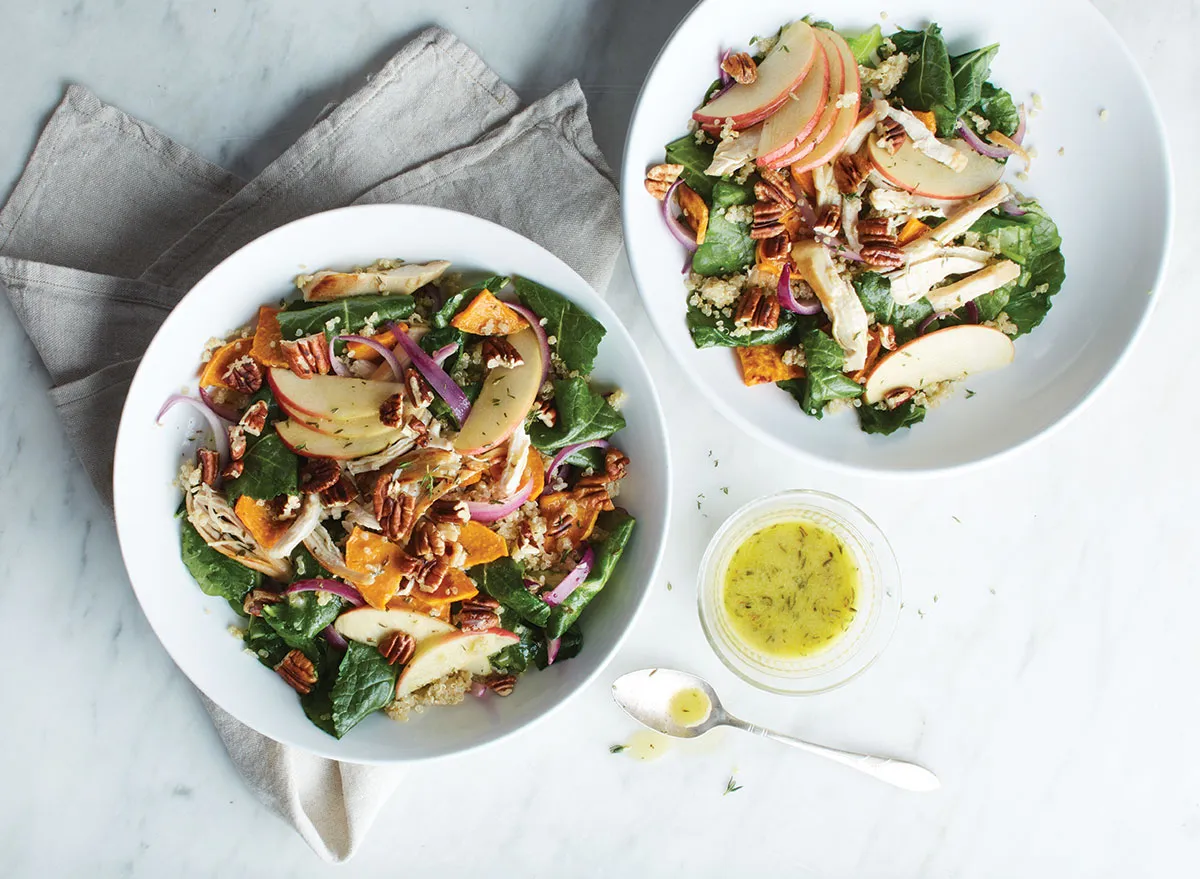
pixel 1044 661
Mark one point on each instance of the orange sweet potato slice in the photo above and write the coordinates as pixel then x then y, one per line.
pixel 267 337
pixel 695 210
pixel 911 231
pixel 582 511
pixel 804 182
pixel 535 469
pixel 260 520
pixel 482 544
pixel 437 611
pixel 764 363
pixel 457 586
pixel 927 119
pixel 379 560
pixel 359 351
pixel 488 316
pixel 219 362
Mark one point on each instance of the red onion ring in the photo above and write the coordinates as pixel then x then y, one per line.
pixel 488 513
pixel 338 365
pixel 478 690
pixel 687 263
pixel 972 312
pixel 807 214
pixel 552 647
pixel 568 451
pixel 538 330
pixel 220 438
pixel 335 639
pixel 333 587
pixel 841 249
pixel 787 298
pixel 572 581
pixel 1013 209
pixel 223 410
pixel 435 375
pixel 981 146
pixel 378 347
pixel 681 232
pixel 1019 134
pixel 932 319
pixel 441 354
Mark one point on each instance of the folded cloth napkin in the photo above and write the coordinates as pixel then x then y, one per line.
pixel 112 222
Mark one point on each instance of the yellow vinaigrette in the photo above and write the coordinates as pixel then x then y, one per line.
pixel 689 707
pixel 790 590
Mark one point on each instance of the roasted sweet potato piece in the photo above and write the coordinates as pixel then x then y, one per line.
pixel 764 363
pixel 488 316
pixel 267 337
pixel 571 515
pixel 214 370
pixel 695 210
pixel 380 561
pixel 911 231
pixel 482 544
pixel 456 586
pixel 260 520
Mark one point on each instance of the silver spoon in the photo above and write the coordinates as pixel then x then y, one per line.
pixel 646 697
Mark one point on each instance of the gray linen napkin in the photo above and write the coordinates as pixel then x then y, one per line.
pixel 112 222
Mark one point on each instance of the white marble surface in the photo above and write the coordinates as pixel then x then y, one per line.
pixel 1045 659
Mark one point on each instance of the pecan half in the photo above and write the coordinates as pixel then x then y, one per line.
pixel 616 464
pixel 308 356
pixel 209 462
pixel 255 599
pixel 243 375
pixel 427 542
pixel 594 493
pixel 891 135
pixel 476 619
pixel 779 183
pixel 887 336
pixel 237 442
pixel 394 508
pixel 481 602
pixel 849 173
pixel 876 230
pixel 340 493
pixel 898 397
pixel 234 469
pixel 446 511
pixel 772 194
pixel 767 211
pixel 499 353
pixel 757 311
pixel 660 178
pixel 299 672
pixel 397 647
pixel 883 255
pixel 419 392
pixel 741 67
pixel 391 411
pixel 774 248
pixel 768 230
pixel 432 573
pixel 254 419
pixel 319 474
pixel 829 219
pixel 545 412
pixel 500 684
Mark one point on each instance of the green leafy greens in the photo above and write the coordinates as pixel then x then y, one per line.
pixel 695 159
pixel 365 683
pixel 216 574
pixel 347 315
pixel 1031 240
pixel 301 616
pixel 617 526
pixel 875 293
pixel 576 332
pixel 866 45
pixel 713 331
pixel 823 377
pixel 929 83
pixel 504 580
pixel 583 415
pixel 997 107
pixel 457 301
pixel 727 246
pixel 873 419
pixel 271 469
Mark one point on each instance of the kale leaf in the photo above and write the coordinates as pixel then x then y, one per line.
pixel 695 159
pixel 216 574
pixel 583 415
pixel 929 82
pixel 271 469
pixel 349 315
pixel 971 71
pixel 1033 241
pixel 504 580
pixel 727 246
pixel 516 658
pixel 301 616
pixel 997 107
pixel 577 334
pixel 823 377
pixel 365 683
pixel 875 293
pixel 881 420
pixel 717 332
pixel 264 642
pixel 569 646
pixel 455 303
pixel 866 45
pixel 617 527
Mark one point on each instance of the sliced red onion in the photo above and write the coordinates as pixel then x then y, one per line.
pixel 931 320
pixel 568 451
pixel 224 410
pixel 538 330
pixel 807 214
pixel 682 233
pixel 220 438
pixel 572 581
pixel 726 79
pixel 441 354
pixel 435 375
pixel 339 366
pixel 333 587
pixel 381 349
pixel 687 263
pixel 1013 209
pixel 981 146
pixel 335 639
pixel 841 249
pixel 787 298
pixel 478 690
pixel 1019 134
pixel 488 513
pixel 972 312
pixel 552 647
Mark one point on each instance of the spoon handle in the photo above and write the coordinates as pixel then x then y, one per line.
pixel 907 776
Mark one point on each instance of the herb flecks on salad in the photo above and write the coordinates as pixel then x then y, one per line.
pixel 409 489
pixel 848 232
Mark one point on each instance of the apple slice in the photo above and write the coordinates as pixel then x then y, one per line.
pixel 331 397
pixel 943 355
pixel 368 625
pixel 454 651
pixel 505 400
pixel 796 119
pixel 846 102
pixel 343 428
pixel 778 75
pixel 913 171
pixel 309 443
pixel 829 110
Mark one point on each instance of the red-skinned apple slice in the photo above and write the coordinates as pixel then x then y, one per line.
pixel 913 171
pixel 331 397
pixel 847 115
pixel 455 651
pixel 345 428
pixel 505 399
pixel 310 444
pixel 829 111
pixel 778 76
pixel 799 115
pixel 943 355
pixel 368 625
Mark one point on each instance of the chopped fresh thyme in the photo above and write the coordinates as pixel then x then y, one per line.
pixel 731 786
pixel 617 749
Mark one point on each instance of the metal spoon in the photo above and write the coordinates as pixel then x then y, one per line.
pixel 646 697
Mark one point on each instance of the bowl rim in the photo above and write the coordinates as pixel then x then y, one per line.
pixel 609 317
pixel 731 412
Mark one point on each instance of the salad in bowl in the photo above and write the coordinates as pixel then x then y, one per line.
pixel 847 231
pixel 409 488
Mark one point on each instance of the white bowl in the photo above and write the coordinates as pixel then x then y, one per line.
pixel 1110 193
pixel 193 626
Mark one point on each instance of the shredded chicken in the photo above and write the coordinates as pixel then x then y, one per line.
pixel 307 518
pixel 514 463
pixel 924 140
pixel 734 151
pixel 326 285
pixel 215 521
pixel 986 280
pixel 958 221
pixel 916 279
pixel 325 551
pixel 838 298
